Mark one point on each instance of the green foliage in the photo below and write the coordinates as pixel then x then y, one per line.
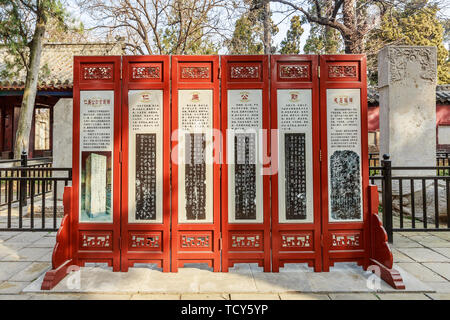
pixel 17 26
pixel 248 35
pixel 291 44
pixel 412 27
pixel 323 40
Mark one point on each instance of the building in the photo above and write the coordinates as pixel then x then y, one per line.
pixel 54 85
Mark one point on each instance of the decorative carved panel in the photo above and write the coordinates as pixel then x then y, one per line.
pixel 346 240
pixel 144 240
pixel 291 71
pixel 146 72
pixel 195 73
pixel 97 72
pixel 247 240
pixel 424 60
pixel 195 241
pixel 95 241
pixel 245 72
pixel 342 71
pixel 296 240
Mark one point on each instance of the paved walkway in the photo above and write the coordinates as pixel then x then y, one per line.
pixel 25 256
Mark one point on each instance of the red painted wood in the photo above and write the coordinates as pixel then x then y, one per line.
pixel 110 252
pixel 358 252
pixel 210 252
pixel 157 81
pixel 257 79
pixel 312 254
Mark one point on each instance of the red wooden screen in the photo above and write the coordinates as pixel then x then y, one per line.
pixel 245 229
pixel 344 239
pixel 195 82
pixel 146 126
pixel 96 241
pixel 295 113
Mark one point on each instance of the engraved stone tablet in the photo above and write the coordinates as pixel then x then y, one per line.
pixel 244 155
pixel 95 199
pixel 344 155
pixel 295 176
pixel 245 176
pixel 145 176
pixel 295 172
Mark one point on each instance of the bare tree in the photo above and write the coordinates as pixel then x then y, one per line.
pixel 353 19
pixel 162 26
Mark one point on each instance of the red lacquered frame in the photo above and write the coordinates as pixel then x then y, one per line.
pixel 104 75
pixel 304 76
pixel 345 72
pixel 146 73
pixel 254 75
pixel 208 252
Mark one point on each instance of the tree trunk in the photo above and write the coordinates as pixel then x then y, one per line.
pixel 267 27
pixel 29 93
pixel 353 43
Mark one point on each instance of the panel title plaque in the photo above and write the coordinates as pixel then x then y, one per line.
pixel 96 155
pixel 145 156
pixel 195 156
pixel 344 155
pixel 245 203
pixel 295 171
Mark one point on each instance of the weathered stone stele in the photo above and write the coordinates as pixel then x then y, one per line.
pixel 407 86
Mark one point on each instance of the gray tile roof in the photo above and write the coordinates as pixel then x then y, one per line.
pixel 58 57
pixel 442 95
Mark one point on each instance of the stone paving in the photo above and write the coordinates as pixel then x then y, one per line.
pixel 26 256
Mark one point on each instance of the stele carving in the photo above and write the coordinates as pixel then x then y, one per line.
pixel 423 58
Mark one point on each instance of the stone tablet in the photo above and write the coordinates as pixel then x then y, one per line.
pixel 295 165
pixel 96 155
pixel 145 156
pixel 344 155
pixel 244 152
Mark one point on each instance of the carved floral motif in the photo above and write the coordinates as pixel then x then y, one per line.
pixel 145 241
pixel 296 241
pixel 345 240
pixel 244 72
pixel 293 71
pixel 423 58
pixel 95 241
pixel 97 73
pixel 195 73
pixel 192 241
pixel 342 71
pixel 245 241
pixel 146 72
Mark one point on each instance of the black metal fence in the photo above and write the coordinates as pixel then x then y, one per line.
pixel 24 188
pixel 442 159
pixel 413 198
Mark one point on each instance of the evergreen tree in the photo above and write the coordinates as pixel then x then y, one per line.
pixel 291 44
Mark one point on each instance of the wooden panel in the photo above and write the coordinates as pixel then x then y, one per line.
pixel 295 150
pixel 97 79
pixel 245 200
pixel 145 161
pixel 195 181
pixel 345 174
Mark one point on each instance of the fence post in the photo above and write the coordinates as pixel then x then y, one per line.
pixel 387 196
pixel 23 183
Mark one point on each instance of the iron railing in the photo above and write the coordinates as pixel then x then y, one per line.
pixel 413 198
pixel 442 159
pixel 25 187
